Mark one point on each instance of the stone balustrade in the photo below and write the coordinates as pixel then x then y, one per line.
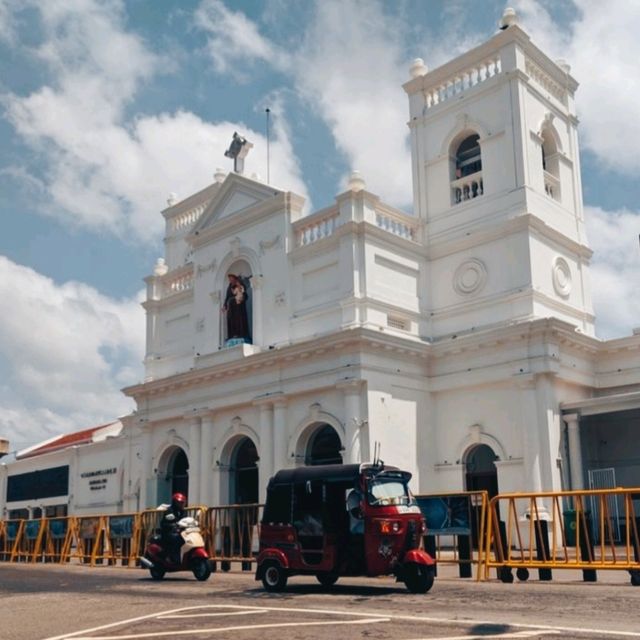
pixel 467 188
pixel 187 218
pixel 403 227
pixel 316 227
pixel 177 281
pixel 462 81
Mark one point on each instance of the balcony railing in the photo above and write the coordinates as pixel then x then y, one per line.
pixel 551 185
pixel 467 188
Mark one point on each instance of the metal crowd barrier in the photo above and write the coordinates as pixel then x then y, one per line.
pixel 581 530
pixel 233 534
pixel 456 526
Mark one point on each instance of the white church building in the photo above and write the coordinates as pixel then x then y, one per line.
pixel 461 337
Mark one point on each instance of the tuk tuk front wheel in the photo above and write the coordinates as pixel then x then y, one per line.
pixel 327 579
pixel 274 577
pixel 419 578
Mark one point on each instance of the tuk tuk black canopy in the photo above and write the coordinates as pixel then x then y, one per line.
pixel 326 472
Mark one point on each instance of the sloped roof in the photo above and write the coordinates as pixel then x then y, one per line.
pixel 86 436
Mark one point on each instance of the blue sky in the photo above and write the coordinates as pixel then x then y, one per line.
pixel 108 106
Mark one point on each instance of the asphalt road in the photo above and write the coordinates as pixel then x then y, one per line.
pixel 45 602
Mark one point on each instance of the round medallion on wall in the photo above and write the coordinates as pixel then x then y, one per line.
pixel 561 273
pixel 470 276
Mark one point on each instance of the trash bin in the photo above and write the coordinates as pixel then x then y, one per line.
pixel 571 520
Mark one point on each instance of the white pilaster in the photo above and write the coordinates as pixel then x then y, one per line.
pixel 280 435
pixel 256 288
pixel 206 460
pixel 266 466
pixel 353 420
pixel 575 451
pixel 194 460
pixel 147 495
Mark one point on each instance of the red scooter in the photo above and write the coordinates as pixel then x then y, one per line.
pixel 193 555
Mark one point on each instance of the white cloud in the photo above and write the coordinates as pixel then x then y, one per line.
pixel 234 38
pixel 349 69
pixel 105 172
pixel 70 349
pixel 7 21
pixel 615 270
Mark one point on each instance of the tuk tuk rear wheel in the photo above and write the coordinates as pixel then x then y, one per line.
pixel 327 579
pixel 419 578
pixel 274 577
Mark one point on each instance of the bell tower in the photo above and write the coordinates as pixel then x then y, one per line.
pixel 496 184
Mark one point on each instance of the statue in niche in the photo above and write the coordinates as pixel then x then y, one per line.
pixel 235 307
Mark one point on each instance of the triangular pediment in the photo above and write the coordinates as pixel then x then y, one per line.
pixel 237 195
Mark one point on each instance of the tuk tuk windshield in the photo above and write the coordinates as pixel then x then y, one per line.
pixel 388 491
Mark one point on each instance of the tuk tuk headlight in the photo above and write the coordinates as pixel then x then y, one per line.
pixel 389 526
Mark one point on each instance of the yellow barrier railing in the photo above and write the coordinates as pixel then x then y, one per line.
pixel 456 526
pixel 233 533
pixel 584 530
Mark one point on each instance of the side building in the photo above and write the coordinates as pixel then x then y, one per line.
pixel 460 338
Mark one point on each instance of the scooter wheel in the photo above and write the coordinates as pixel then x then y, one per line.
pixel 157 573
pixel 201 569
pixel 274 577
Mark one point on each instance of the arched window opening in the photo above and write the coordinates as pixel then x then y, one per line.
pixel 173 474
pixel 324 447
pixel 179 473
pixel 237 305
pixel 550 165
pixel 467 170
pixel 244 473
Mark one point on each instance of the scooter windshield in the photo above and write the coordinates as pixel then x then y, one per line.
pixel 384 492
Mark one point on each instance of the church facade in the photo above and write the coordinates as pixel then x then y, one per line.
pixel 460 338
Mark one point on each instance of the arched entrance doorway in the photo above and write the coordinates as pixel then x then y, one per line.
pixel 324 446
pixel 173 474
pixel 243 473
pixel 481 473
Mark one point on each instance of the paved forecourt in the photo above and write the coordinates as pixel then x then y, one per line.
pixel 52 602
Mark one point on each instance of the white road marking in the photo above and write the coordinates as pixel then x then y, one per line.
pixel 251 627
pixel 601 633
pixel 181 616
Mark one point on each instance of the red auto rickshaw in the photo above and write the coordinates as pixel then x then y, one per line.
pixel 342 520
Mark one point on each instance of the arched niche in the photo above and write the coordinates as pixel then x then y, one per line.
pixel 238 319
